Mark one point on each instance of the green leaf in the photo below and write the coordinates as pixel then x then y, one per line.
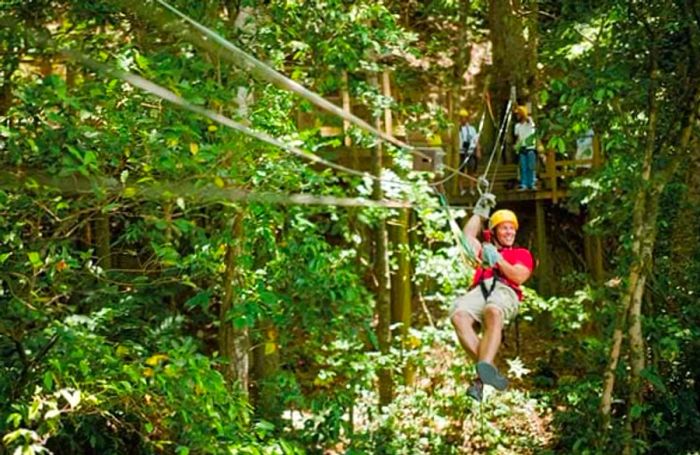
pixel 201 299
pixel 47 380
pixel 34 259
pixel 14 419
pixel 141 61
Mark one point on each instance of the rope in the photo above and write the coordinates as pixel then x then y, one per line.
pixel 467 253
pixel 504 121
pixel 250 63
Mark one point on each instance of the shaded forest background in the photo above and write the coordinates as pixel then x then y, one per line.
pixel 147 309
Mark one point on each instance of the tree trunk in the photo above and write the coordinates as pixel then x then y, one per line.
pixel 268 403
pixel 531 80
pixel 510 59
pixel 609 374
pixel 401 282
pixel 233 342
pixel 381 275
pixel 636 279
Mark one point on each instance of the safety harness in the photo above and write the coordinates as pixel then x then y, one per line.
pixel 485 290
pixel 481 282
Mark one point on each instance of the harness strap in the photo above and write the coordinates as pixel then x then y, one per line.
pixel 484 291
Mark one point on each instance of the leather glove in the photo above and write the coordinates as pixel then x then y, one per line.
pixel 483 206
pixel 489 255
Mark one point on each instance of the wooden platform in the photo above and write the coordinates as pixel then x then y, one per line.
pixel 505 186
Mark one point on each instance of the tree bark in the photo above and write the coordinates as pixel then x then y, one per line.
pixel 401 282
pixel 510 58
pixel 234 344
pixel 636 279
pixel 266 362
pixel 381 275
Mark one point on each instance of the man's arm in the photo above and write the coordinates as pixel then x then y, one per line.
pixel 471 232
pixel 516 273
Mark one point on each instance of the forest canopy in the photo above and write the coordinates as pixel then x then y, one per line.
pixel 236 226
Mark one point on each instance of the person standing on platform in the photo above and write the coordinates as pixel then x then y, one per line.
pixel 525 147
pixel 469 150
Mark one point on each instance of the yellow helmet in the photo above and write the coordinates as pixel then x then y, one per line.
pixel 522 110
pixel 434 139
pixel 463 113
pixel 501 216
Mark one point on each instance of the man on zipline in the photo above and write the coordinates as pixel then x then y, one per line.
pixel 495 294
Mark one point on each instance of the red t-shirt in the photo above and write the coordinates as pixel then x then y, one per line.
pixel 513 255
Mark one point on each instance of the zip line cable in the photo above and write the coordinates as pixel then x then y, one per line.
pixel 167 95
pixel 237 194
pixel 252 64
pixel 498 162
pixel 156 191
pixel 502 147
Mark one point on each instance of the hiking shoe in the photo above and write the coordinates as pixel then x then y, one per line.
pixel 490 375
pixel 476 390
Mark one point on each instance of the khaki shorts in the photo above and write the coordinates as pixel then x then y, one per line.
pixel 503 297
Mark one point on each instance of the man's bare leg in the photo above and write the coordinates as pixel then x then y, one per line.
pixel 493 333
pixel 464 327
pixel 493 330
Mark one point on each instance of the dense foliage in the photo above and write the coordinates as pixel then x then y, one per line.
pixel 131 272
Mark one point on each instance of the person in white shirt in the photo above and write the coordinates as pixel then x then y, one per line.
pixel 469 150
pixel 525 146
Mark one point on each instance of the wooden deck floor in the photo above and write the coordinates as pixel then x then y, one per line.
pixel 505 187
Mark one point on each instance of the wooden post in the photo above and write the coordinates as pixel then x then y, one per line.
pixel 386 91
pixel 345 94
pixel 552 173
pixel 597 153
pixel 452 149
pixel 544 281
